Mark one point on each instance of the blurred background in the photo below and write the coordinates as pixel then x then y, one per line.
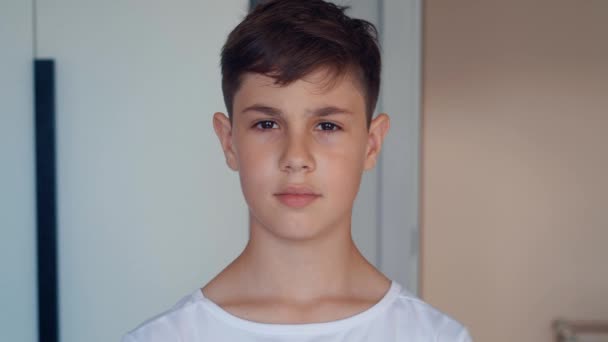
pixel 489 200
pixel 515 157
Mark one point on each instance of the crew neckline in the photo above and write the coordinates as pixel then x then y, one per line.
pixel 301 328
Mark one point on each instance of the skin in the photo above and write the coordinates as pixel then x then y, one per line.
pixel 300 265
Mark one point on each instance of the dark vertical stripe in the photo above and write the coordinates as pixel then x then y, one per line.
pixel 44 97
pixel 252 4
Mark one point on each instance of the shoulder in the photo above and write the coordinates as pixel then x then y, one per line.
pixel 170 325
pixel 426 321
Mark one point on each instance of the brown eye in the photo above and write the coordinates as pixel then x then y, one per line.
pixel 328 126
pixel 265 125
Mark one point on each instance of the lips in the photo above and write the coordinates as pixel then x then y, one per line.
pixel 297 196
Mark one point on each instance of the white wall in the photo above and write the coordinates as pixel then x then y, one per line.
pixel 400 163
pixel 18 310
pixel 148 211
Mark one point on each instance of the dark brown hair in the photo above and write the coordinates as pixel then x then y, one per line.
pixel 288 39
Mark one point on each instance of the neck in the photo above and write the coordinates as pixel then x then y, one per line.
pixel 303 269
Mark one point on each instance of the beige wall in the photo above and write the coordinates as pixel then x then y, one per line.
pixel 515 164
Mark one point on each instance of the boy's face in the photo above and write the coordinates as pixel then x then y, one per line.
pixel 305 135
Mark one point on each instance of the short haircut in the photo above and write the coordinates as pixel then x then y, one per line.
pixel 289 39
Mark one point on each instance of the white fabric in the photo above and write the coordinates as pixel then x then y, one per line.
pixel 398 316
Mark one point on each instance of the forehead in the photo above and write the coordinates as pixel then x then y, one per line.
pixel 319 88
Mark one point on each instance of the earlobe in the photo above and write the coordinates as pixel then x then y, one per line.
pixel 378 129
pixel 223 130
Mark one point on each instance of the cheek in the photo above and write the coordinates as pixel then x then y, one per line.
pixel 256 169
pixel 342 168
pixel 349 151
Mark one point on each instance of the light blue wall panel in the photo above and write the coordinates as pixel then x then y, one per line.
pixel 18 304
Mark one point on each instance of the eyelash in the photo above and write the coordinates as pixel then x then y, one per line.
pixel 336 127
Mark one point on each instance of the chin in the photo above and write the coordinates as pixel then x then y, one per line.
pixel 298 236
pixel 296 231
pixel 292 229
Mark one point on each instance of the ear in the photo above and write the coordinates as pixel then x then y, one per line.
pixel 223 130
pixel 377 131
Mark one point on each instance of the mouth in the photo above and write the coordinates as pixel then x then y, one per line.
pixel 297 196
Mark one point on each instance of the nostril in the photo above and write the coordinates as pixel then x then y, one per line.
pixel 294 167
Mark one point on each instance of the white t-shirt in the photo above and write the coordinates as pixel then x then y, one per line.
pixel 398 317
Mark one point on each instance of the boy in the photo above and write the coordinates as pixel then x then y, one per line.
pixel 300 83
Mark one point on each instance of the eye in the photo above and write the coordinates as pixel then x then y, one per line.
pixel 329 126
pixel 264 125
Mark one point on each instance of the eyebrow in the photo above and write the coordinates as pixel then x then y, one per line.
pixel 322 111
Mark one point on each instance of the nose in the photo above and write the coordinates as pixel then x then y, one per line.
pixel 296 155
